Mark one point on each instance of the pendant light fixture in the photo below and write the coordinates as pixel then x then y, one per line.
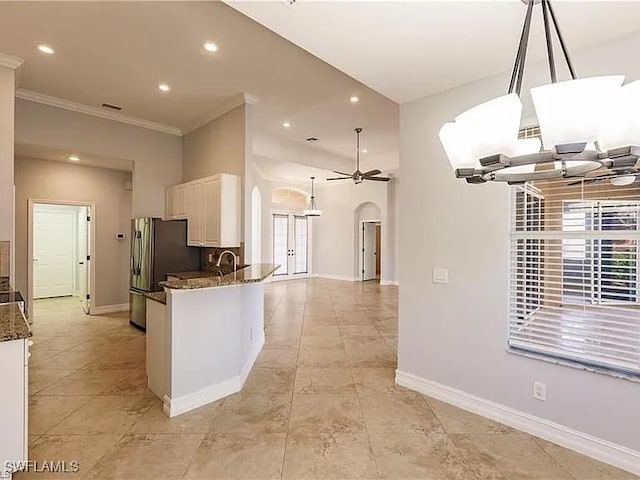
pixel 313 210
pixel 585 124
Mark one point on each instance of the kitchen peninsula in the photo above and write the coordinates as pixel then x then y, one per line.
pixel 204 333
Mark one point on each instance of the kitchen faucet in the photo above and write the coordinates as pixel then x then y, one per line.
pixel 235 259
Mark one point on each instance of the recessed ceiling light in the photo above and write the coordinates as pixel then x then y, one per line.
pixel 354 99
pixel 46 49
pixel 210 47
pixel 164 87
pixel 364 150
pixel 74 158
pixel 286 124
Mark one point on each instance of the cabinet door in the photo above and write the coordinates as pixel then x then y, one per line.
pixel 193 204
pixel 211 209
pixel 170 203
pixel 180 201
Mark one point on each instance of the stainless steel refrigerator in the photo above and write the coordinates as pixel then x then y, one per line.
pixel 157 248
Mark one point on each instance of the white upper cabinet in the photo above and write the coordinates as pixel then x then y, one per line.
pixel 211 206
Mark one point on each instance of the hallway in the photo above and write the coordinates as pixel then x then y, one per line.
pixel 320 403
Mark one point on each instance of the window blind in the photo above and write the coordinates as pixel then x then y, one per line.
pixel 574 283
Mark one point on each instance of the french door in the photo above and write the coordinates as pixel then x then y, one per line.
pixel 291 245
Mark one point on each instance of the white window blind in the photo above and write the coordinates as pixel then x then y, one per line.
pixel 574 284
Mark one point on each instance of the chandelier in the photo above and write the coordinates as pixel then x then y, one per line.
pixel 585 124
pixel 313 210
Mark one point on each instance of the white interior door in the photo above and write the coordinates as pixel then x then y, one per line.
pixel 83 257
pixel 53 252
pixel 291 245
pixel 368 250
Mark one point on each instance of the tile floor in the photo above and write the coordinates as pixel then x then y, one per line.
pixel 320 403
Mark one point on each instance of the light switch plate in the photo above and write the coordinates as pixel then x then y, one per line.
pixel 440 275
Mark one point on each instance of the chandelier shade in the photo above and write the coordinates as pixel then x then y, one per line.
pixel 573 111
pixel 622 119
pixel 312 210
pixel 585 124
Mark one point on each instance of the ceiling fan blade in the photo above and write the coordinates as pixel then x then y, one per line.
pixel 378 179
pixel 371 172
pixel 339 178
pixel 342 173
pixel 586 181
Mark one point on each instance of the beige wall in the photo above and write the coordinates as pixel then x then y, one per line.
pixel 216 147
pixel 46 180
pixel 6 152
pixel 157 156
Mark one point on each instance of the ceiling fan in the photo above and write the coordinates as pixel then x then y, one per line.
pixel 358 176
pixel 619 177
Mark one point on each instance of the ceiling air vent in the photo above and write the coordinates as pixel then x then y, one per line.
pixel 115 108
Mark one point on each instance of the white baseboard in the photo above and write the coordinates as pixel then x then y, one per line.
pixel 123 307
pixel 175 406
pixel 335 277
pixel 597 448
pixel 389 283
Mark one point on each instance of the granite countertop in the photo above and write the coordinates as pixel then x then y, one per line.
pixel 13 325
pixel 250 274
pixel 193 274
pixel 160 297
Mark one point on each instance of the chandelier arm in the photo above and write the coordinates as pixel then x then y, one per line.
pixel 563 45
pixel 523 46
pixel 549 40
pixel 516 64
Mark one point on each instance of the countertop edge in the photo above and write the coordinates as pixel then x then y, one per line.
pixel 229 279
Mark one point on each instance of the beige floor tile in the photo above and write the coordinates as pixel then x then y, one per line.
pixel 324 380
pixel 105 414
pixel 328 456
pixel 324 413
pixel 581 467
pixel 133 384
pixel 373 354
pixel 510 455
pixel 42 378
pixel 359 331
pixel 397 413
pixel 270 380
pixel 456 420
pixel 321 330
pixel 323 357
pixel 317 341
pixel 195 421
pixel 86 450
pixel 376 379
pixel 247 456
pixel 253 414
pixel 85 382
pixel 277 358
pixel 67 360
pixel 418 455
pixel 46 412
pixel 152 457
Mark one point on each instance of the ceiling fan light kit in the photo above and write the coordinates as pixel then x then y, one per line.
pixel 313 210
pixel 358 177
pixel 585 124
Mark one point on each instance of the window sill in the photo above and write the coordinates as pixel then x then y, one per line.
pixel 568 363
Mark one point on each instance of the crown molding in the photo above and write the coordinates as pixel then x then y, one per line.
pixel 10 61
pixel 95 111
pixel 236 101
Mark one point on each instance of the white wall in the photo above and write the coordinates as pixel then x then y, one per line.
pixel 335 232
pixel 157 156
pixel 47 180
pixel 7 95
pixel 456 334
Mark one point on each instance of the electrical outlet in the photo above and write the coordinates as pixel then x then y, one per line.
pixel 540 391
pixel 211 258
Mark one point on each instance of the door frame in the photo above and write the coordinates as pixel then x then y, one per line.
pixel 360 275
pixel 291 275
pixel 92 249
